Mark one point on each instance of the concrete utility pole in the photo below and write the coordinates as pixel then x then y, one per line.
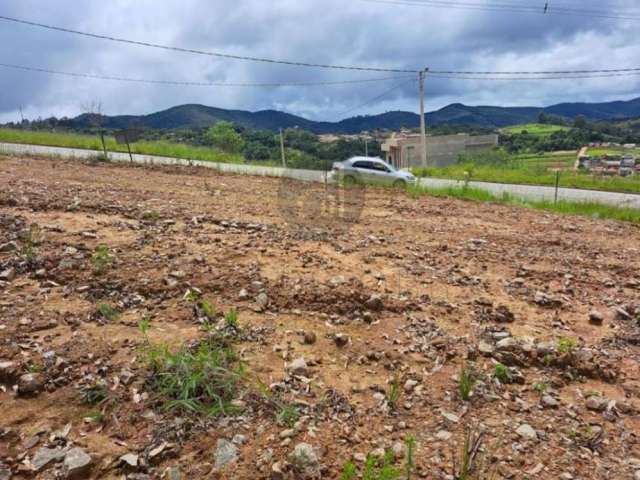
pixel 423 133
pixel 284 164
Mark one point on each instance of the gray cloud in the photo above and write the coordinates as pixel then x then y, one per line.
pixel 324 31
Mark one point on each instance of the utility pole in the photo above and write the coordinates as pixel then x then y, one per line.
pixel 282 148
pixel 423 133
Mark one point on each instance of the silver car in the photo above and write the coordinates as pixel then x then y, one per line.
pixel 369 170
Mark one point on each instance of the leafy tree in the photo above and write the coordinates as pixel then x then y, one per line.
pixel 580 122
pixel 224 136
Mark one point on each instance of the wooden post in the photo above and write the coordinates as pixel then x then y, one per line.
pixel 555 199
pixel 104 146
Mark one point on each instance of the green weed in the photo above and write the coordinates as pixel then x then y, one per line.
pixel 502 373
pixel 29 240
pixel 466 382
pixel 567 345
pixel 101 259
pixel 540 387
pixel 287 415
pixel 382 468
pixel 231 319
pixel 94 394
pixel 201 379
pixel 393 395
pixel 107 311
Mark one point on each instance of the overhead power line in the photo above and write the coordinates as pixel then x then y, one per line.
pixel 377 97
pixel 533 79
pixel 317 65
pixel 202 52
pixel 510 8
pixel 532 72
pixel 198 84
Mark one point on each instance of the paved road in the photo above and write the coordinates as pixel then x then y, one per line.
pixel 534 192
pixel 528 192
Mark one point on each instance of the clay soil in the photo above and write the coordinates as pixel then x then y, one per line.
pixel 419 288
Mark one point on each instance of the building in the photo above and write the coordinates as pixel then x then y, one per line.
pixel 405 150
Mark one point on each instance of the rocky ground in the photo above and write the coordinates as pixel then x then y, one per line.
pixel 430 318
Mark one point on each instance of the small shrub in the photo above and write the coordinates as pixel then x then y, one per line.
pixel 101 259
pixel 349 472
pixel 151 216
pixel 466 382
pixel 502 373
pixel 540 387
pixel 231 319
pixel 393 395
pixel 567 345
pixel 94 394
pixel 107 311
pixel 382 468
pixel 29 240
pixel 410 443
pixel 200 379
pixel 287 415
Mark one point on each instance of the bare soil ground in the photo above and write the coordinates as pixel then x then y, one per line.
pixel 414 291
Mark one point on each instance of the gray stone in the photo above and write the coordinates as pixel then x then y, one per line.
pixel 375 303
pixel 443 435
pixel 341 339
pixel 243 295
pixel 409 385
pixel 226 453
pixel 526 431
pixel 77 463
pixel 262 301
pixel 130 459
pixel 9 247
pixel 399 450
pixel 45 455
pixel 549 402
pixel 298 366
pixel 304 457
pixel 5 473
pixel 485 347
pixel 8 371
pixel 506 344
pixel 239 439
pixel 30 383
pixel 595 403
pixel 8 274
pixel 596 318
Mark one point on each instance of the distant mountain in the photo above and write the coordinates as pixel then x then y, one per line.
pixel 194 116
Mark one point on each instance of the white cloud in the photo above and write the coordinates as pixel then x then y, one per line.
pixel 325 31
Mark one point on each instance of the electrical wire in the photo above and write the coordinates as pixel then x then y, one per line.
pixel 376 98
pixel 198 84
pixel 509 8
pixel 533 79
pixel 201 52
pixel 315 65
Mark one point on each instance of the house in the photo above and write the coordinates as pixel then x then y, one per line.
pixel 404 150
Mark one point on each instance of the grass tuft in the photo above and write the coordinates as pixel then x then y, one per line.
pixel 466 382
pixel 201 379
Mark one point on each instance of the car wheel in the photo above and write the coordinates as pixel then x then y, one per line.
pixel 349 181
pixel 399 184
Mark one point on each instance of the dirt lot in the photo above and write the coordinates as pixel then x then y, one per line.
pixel 351 340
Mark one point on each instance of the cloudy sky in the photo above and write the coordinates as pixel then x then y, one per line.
pixel 346 32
